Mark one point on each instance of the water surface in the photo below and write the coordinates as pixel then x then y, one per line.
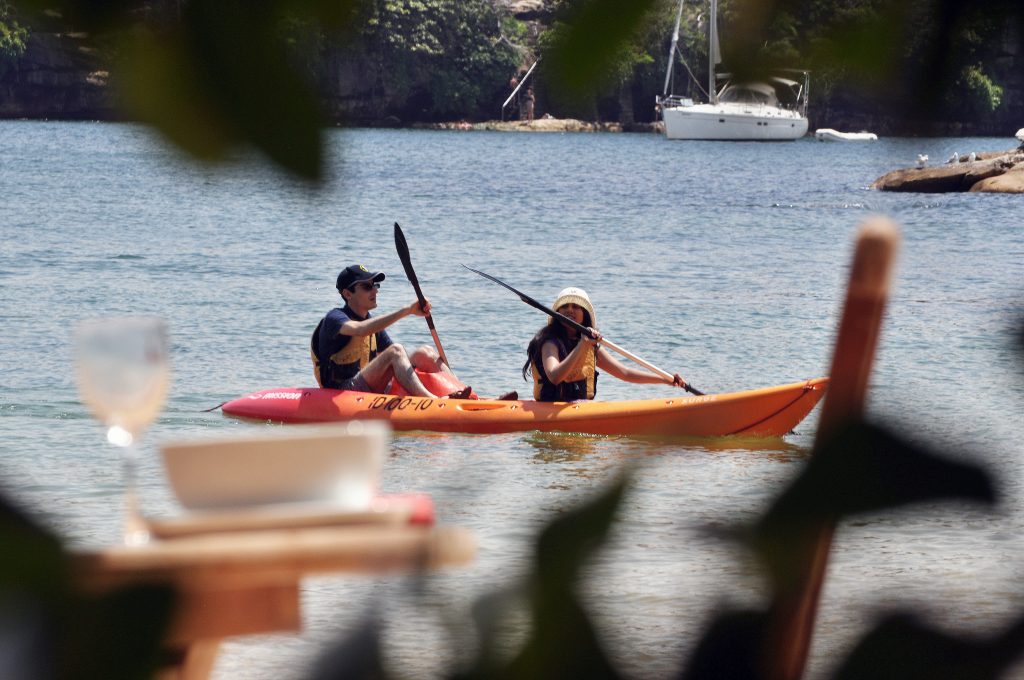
pixel 723 261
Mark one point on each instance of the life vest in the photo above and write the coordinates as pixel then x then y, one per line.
pixel 580 385
pixel 354 353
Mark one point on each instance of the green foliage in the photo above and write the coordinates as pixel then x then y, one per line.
pixel 562 641
pixel 595 42
pixel 223 77
pixel 901 647
pixel 12 34
pixel 48 629
pixel 596 61
pixel 215 76
pixel 447 57
pixel 863 469
pixel 976 95
pixel 930 59
pixel 304 40
pixel 513 29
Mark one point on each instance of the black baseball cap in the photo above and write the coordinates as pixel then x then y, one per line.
pixel 355 273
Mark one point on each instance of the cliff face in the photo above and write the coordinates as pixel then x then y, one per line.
pixel 59 76
pixel 62 76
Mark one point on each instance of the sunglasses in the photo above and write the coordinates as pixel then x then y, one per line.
pixel 363 286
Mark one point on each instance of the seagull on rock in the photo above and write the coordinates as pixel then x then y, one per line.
pixel 922 160
pixel 955 158
pixel 973 157
pixel 1020 135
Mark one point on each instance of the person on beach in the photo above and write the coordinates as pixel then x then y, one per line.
pixel 530 99
pixel 352 351
pixel 564 362
pixel 513 83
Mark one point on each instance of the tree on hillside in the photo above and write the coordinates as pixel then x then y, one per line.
pixel 216 74
pixel 442 58
pixel 592 78
pixel 12 35
pixel 922 59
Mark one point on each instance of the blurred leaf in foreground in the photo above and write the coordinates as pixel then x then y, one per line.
pixel 50 630
pixel 730 648
pixel 863 468
pixel 562 642
pixel 356 657
pixel 902 648
pixel 593 34
pixel 222 76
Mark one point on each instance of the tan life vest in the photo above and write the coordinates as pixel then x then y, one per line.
pixel 581 384
pixel 347 361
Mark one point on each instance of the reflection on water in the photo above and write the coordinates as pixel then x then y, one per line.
pixel 562 447
pixel 557 447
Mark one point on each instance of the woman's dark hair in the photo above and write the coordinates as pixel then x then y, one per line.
pixel 554 330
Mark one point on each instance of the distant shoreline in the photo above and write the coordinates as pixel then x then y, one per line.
pixel 540 125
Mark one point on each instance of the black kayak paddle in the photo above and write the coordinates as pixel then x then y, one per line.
pixel 403 255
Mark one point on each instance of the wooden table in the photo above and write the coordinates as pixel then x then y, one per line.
pixel 242 583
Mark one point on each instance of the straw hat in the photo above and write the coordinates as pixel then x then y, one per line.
pixel 576 296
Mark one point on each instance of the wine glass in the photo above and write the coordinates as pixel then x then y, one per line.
pixel 123 373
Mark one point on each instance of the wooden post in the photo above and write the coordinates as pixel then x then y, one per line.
pixel 792 614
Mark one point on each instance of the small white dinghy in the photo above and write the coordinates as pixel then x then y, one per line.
pixel 830 135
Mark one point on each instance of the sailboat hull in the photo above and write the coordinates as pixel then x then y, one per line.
pixel 736 122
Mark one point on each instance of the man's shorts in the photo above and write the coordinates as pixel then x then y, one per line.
pixel 357 383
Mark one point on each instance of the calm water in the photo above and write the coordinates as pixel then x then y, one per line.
pixel 725 262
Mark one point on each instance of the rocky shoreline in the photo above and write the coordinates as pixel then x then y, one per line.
pixel 990 172
pixel 546 124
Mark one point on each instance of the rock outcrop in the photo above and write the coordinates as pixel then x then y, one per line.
pixel 1010 182
pixel 995 171
pixel 59 76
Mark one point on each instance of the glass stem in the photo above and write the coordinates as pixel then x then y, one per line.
pixel 136 531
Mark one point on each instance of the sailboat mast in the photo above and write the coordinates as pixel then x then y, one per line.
pixel 672 50
pixel 712 53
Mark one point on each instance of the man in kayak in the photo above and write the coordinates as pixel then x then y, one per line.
pixel 352 351
pixel 564 364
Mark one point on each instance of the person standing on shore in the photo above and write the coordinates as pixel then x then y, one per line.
pixel 352 351
pixel 529 104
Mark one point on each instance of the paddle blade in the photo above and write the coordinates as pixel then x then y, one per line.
pixel 402 246
pixel 403 254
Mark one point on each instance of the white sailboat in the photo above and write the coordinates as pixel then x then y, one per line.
pixel 736 111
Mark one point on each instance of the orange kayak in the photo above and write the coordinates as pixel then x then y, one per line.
pixel 765 412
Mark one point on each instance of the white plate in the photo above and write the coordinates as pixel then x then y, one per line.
pixel 384 510
pixel 335 465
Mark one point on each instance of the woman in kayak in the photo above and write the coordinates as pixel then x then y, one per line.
pixel 564 364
